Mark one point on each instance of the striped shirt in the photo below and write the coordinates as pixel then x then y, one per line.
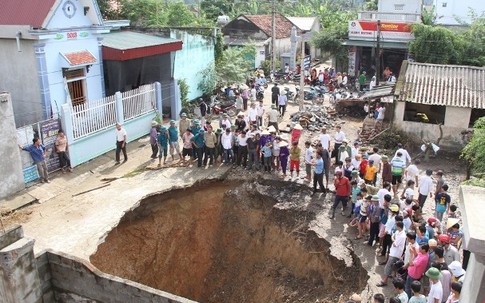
pixel 397 166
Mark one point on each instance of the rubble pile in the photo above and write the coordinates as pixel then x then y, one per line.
pixel 315 117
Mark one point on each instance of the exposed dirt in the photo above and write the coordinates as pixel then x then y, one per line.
pixel 221 242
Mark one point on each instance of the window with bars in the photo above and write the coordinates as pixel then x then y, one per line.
pixel 76 85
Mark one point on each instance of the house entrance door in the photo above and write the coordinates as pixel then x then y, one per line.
pixel 76 84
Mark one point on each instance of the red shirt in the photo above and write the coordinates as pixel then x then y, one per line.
pixel 342 186
pixel 420 264
pixel 363 166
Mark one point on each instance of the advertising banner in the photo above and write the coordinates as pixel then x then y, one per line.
pixel 49 130
pixel 390 31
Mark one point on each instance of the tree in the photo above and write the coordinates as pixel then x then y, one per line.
pixel 474 151
pixel 178 14
pixel 436 44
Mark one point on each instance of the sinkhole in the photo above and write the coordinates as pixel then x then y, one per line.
pixel 222 241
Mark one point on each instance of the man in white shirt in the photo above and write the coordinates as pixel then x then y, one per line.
pixel 395 254
pixel 253 93
pixel 412 172
pixel 339 139
pixel 406 158
pixel 435 294
pixel 308 160
pixel 345 79
pixel 260 112
pixel 385 190
pixel 226 141
pixel 120 143
pixel 425 187
pixel 377 161
pixel 253 114
pixel 325 139
pixel 273 115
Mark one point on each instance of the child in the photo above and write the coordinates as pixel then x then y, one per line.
pixel 355 190
pixel 339 167
pixel 443 200
pixel 455 293
pixel 370 173
pixel 452 212
pixel 417 296
pixel 363 216
pixel 398 284
pixel 284 153
pixel 363 166
pixel 267 153
pixel 162 145
pixel 295 153
pixel 187 144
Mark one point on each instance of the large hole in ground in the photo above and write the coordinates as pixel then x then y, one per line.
pixel 222 242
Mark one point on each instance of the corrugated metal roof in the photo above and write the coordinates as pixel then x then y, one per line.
pixel 25 12
pixel 379 91
pixel 303 23
pixel 125 40
pixel 447 85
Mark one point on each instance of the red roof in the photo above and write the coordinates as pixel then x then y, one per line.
pixel 264 22
pixel 25 12
pixel 79 58
pixel 141 52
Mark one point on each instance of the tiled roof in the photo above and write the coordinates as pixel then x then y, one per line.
pixel 264 22
pixel 25 12
pixel 448 85
pixel 79 58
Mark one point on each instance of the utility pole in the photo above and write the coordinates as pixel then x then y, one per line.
pixel 301 104
pixel 273 36
pixel 378 52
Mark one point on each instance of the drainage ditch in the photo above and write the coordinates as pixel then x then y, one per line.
pixel 225 242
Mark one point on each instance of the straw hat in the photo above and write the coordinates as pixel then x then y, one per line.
pixel 271 129
pixel 154 123
pixel 451 222
pixel 265 132
pixel 283 144
pixel 298 126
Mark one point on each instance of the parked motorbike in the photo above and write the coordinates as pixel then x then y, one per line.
pixel 308 94
pixel 260 93
pixel 290 94
pixel 225 106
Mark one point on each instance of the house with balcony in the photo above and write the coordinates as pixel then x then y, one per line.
pixel 392 22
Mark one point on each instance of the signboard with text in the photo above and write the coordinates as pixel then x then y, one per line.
pixel 390 31
pixel 49 130
pixel 307 61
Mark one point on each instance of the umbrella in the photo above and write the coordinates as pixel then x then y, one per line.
pixel 451 222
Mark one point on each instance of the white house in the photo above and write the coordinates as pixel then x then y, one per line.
pixel 452 98
pixel 50 49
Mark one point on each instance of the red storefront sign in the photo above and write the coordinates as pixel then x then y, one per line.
pixel 391 31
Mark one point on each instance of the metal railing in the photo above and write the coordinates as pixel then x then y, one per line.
pixel 89 118
pixel 139 101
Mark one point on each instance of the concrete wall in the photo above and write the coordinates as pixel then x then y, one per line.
pixel 19 77
pixel 282 46
pixel 456 9
pixel 456 120
pixel 73 278
pixel 197 54
pixel 410 6
pixel 11 179
pixel 471 205
pixel 19 279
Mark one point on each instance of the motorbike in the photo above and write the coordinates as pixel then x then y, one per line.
pixel 278 76
pixel 260 93
pixel 225 106
pixel 290 94
pixel 308 94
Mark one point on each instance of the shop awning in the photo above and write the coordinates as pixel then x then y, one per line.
pixel 79 58
pixel 384 44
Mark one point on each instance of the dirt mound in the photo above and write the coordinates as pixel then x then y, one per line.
pixel 218 242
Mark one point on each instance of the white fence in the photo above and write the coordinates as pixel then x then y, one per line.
pixel 97 115
pixel 138 101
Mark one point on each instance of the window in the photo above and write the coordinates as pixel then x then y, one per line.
pixel 444 4
pixel 476 113
pixel 398 7
pixel 76 84
pixel 433 114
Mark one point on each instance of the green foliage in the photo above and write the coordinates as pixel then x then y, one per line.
pixel 474 151
pixel 370 5
pixel 212 8
pixel 184 91
pixel 178 14
pixel 106 8
pixel 207 82
pixel 428 17
pixel 266 66
pixel 436 44
pixel 219 48
pixel 235 65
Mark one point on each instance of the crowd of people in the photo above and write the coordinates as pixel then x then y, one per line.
pixel 383 196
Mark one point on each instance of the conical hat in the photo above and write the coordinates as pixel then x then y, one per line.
pixel 271 129
pixel 451 222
